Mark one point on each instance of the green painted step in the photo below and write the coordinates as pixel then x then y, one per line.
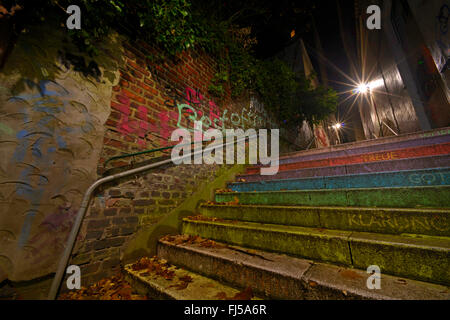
pixel 432 222
pixel 278 276
pixel 423 258
pixel 409 197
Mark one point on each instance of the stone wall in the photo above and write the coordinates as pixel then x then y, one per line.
pixel 51 130
pixel 63 115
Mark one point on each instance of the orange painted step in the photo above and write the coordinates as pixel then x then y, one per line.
pixel 432 150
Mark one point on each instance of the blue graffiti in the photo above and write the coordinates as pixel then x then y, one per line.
pixel 49 102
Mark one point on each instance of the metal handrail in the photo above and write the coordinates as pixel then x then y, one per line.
pixel 311 142
pixel 390 129
pixel 85 204
pixel 128 155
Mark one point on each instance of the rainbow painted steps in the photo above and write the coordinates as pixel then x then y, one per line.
pixel 422 151
pixel 439 161
pixel 363 149
pixel 312 230
pixel 413 139
pixel 407 197
pixel 407 178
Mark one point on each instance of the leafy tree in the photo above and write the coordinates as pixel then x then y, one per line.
pixel 225 29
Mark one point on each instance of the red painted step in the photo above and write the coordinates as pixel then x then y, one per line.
pixel 438 149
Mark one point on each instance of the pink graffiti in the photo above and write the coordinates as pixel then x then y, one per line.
pixel 193 96
pixel 167 121
pixel 126 126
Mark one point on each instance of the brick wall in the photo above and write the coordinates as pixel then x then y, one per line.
pixel 145 109
pixel 146 103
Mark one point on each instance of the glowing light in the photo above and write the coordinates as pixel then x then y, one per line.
pixel 337 126
pixel 376 84
pixel 363 88
pixel 366 87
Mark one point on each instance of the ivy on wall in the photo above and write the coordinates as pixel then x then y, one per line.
pixel 179 25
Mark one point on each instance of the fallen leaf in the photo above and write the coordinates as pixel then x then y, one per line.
pixel 247 294
pixel 114 288
pixel 186 278
pixel 221 296
pixel 350 274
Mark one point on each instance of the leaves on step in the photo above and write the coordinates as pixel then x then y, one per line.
pixel 186 279
pixel 141 264
pixel 114 288
pixel 247 294
pixel 221 296
pixel 154 266
pixel 224 191
pixel 188 239
pixel 180 285
pixel 350 274
pixel 235 202
pixel 204 218
pixel 184 282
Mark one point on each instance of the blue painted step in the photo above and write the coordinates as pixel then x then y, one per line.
pixel 415 178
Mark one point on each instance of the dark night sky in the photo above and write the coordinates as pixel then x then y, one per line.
pixel 274 34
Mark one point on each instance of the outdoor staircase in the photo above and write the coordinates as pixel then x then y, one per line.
pixel 312 230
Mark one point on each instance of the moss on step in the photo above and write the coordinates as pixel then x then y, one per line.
pixel 145 240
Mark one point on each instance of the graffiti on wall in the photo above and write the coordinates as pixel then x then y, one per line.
pixel 182 113
pixel 41 140
pixel 50 142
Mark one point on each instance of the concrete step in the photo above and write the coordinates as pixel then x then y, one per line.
pixel 409 197
pixel 373 142
pixel 414 178
pixel 439 161
pixel 363 149
pixel 423 258
pixel 388 220
pixel 439 149
pixel 158 286
pixel 278 276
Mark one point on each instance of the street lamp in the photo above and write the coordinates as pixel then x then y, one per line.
pixel 337 128
pixel 367 87
pixel 363 88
